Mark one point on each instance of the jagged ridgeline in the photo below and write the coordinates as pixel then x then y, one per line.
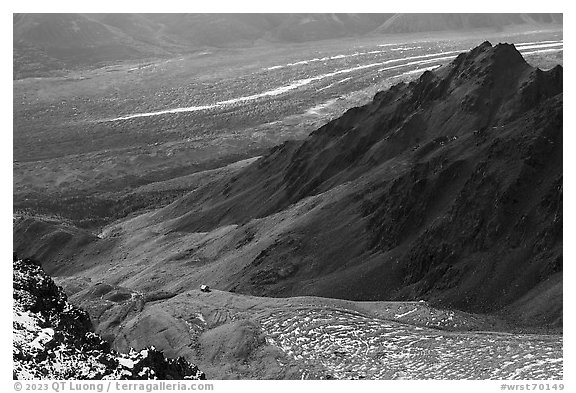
pixel 447 189
pixel 55 340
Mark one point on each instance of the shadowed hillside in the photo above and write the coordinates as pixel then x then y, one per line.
pixel 448 188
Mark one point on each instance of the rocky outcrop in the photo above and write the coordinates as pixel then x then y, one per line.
pixel 54 340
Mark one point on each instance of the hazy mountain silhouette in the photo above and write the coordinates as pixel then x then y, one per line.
pixel 45 42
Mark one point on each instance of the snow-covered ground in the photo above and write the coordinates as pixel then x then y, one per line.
pixel 53 340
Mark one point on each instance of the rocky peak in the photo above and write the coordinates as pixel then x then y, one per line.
pixel 54 340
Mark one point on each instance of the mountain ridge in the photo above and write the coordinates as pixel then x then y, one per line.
pixel 447 188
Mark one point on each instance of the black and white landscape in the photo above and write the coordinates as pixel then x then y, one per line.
pixel 367 196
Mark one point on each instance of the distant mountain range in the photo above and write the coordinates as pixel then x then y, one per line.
pixel 45 42
pixel 418 23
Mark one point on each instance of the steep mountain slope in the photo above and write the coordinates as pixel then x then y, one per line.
pixel 54 340
pixel 48 42
pixel 448 188
pixel 456 179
